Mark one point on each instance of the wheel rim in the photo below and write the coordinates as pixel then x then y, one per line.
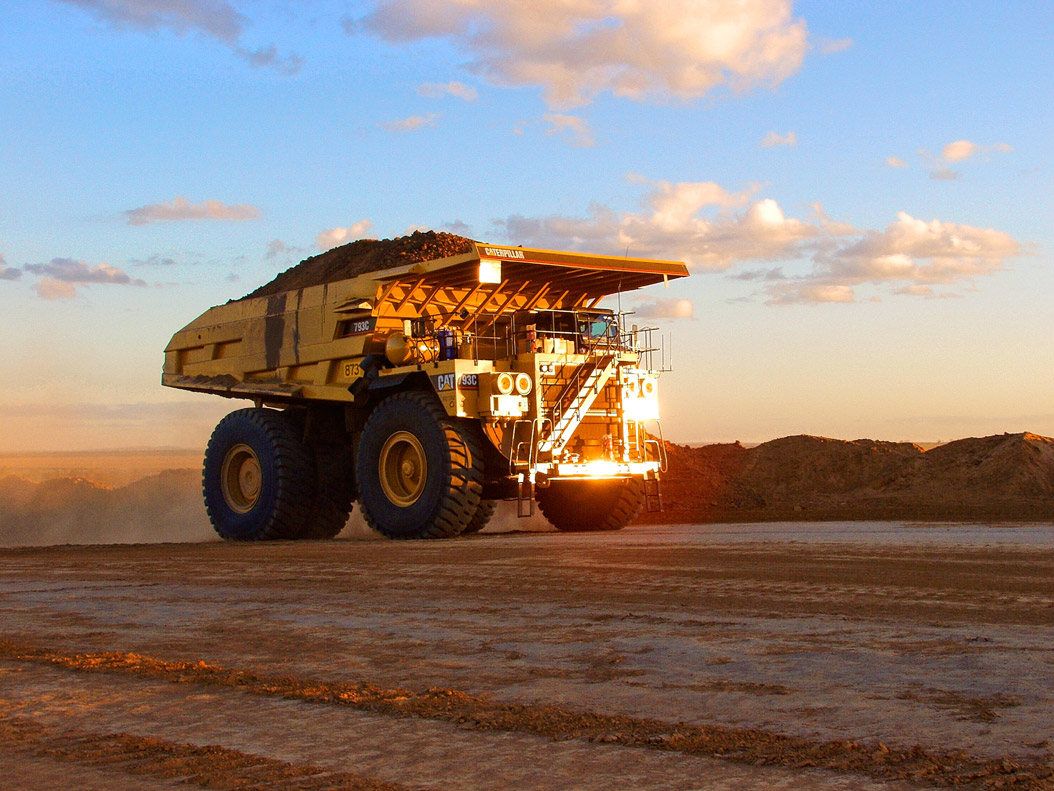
pixel 241 479
pixel 402 468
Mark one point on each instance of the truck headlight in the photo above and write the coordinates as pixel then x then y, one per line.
pixel 505 383
pixel 524 383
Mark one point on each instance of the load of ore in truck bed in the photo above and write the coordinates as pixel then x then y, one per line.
pixel 365 255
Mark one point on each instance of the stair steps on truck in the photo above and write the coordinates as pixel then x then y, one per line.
pixel 575 400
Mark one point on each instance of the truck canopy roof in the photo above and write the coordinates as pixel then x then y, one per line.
pixel 430 261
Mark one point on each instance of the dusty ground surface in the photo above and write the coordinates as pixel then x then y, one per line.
pixel 827 656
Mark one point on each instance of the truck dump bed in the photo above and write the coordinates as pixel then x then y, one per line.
pixel 306 343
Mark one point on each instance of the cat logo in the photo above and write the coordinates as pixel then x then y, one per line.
pixel 445 382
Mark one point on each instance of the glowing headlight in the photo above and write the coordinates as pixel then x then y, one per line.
pixel 601 469
pixel 523 384
pixel 505 383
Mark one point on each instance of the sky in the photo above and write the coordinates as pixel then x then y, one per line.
pixel 862 192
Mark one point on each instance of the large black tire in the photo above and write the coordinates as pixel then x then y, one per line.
pixel 257 477
pixel 333 474
pixel 419 472
pixel 334 492
pixel 587 506
pixel 482 516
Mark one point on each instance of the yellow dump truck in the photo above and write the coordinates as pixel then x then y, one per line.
pixel 428 391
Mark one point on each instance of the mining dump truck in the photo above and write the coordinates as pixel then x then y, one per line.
pixel 427 390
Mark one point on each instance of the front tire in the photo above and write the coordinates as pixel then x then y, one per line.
pixel 256 477
pixel 581 506
pixel 420 473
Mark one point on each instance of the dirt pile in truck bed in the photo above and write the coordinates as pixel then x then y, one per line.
pixel 365 255
pixel 1008 476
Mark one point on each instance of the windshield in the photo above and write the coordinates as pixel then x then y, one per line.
pixel 598 326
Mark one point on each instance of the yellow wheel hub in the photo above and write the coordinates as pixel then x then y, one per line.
pixel 241 478
pixel 403 468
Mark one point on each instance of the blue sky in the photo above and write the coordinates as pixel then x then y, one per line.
pixel 863 191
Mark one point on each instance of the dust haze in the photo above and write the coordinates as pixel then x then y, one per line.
pixel 132 497
pixel 155 496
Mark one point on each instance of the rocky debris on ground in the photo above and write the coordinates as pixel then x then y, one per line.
pixel 1006 476
pixel 751 746
pixel 365 255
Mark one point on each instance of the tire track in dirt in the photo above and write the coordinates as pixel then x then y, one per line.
pixel 747 746
pixel 211 766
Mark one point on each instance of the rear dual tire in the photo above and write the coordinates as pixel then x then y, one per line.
pixel 261 481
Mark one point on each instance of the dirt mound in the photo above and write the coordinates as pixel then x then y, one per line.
pixel 163 507
pixel 1009 476
pixel 365 255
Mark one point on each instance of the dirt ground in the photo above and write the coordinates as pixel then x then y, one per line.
pixel 781 656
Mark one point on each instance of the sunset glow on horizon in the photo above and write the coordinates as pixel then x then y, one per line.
pixel 862 193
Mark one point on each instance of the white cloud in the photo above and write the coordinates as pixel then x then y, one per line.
pixel 959 150
pixel 962 150
pixel 179 208
pixel 334 237
pixel 831 226
pixel 412 123
pixel 896 162
pixel 671 225
pixel 577 49
pixel 572 128
pixel 956 152
pixel 911 254
pixel 69 270
pixel 432 90
pixel 664 309
pixel 953 250
pixel 50 289
pixel 810 293
pixel 59 277
pixel 775 139
pixel 711 228
pixel 216 19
